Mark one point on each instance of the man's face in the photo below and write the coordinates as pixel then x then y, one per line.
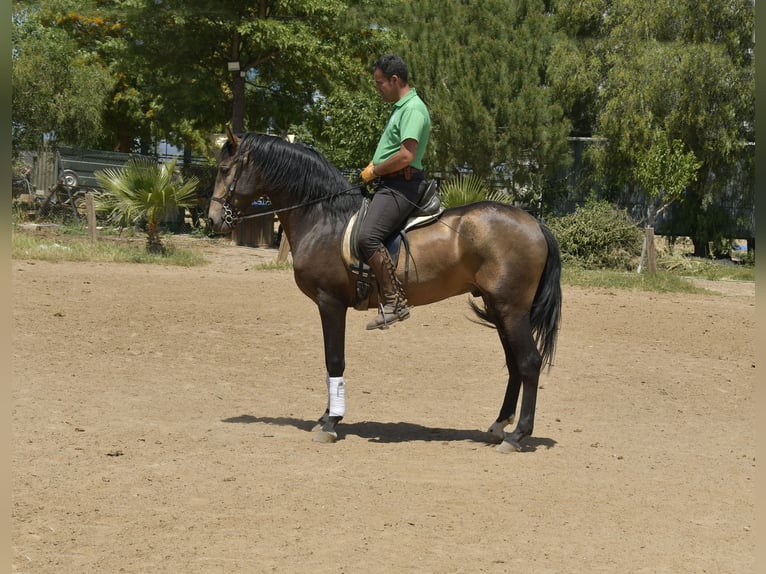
pixel 388 88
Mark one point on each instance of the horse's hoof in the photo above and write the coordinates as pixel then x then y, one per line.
pixel 492 438
pixel 317 427
pixel 495 433
pixel 507 446
pixel 325 437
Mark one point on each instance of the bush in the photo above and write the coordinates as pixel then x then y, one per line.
pixel 470 188
pixel 598 236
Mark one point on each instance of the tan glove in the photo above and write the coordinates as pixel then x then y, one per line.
pixel 368 173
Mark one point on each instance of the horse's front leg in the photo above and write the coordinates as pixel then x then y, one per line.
pixel 333 315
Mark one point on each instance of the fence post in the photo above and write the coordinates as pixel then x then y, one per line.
pixel 90 207
pixel 648 253
pixel 284 249
pixel 651 254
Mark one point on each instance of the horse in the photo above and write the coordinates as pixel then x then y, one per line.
pixel 490 250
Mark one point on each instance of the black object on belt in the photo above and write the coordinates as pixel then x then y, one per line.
pixel 407 173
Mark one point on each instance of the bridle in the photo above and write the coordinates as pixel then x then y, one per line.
pixel 232 216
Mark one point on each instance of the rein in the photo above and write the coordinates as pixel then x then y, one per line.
pixel 232 216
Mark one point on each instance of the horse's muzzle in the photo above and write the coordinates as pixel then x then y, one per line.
pixel 222 218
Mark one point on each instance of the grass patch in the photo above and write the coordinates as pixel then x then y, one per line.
pixel 662 281
pixel 73 247
pixel 71 243
pixel 706 269
pixel 673 274
pixel 274 266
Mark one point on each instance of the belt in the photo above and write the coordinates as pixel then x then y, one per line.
pixel 407 173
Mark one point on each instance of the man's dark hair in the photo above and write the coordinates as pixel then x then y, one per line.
pixel 390 65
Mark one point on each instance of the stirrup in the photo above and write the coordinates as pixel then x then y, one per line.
pixel 384 319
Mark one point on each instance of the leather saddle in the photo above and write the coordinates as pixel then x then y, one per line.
pixel 428 210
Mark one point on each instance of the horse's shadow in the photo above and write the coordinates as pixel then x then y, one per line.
pixel 393 432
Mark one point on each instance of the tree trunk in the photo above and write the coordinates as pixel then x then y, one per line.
pixel 237 89
pixel 238 105
pixel 153 240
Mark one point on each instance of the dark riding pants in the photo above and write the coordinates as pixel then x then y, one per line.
pixel 391 204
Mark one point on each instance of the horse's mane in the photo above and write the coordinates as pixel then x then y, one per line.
pixel 299 173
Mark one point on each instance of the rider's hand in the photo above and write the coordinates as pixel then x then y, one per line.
pixel 368 173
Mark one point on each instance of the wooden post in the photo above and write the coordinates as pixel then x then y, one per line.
pixel 90 207
pixel 651 253
pixel 648 252
pixel 284 250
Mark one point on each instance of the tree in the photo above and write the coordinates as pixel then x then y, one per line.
pixel 664 172
pixel 348 124
pixel 481 69
pixel 577 62
pixel 283 54
pixel 145 190
pixel 168 61
pixel 682 69
pixel 59 90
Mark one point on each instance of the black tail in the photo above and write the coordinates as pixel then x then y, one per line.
pixel 546 308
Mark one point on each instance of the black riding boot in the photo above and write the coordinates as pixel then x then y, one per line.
pixel 393 303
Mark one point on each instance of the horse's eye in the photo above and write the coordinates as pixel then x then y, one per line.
pixel 224 169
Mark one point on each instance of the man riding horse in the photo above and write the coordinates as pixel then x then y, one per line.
pixel 398 166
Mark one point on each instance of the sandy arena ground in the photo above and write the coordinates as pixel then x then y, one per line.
pixel 161 423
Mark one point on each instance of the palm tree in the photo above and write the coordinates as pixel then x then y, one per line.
pixel 469 188
pixel 145 190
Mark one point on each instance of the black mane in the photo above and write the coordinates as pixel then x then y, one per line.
pixel 298 173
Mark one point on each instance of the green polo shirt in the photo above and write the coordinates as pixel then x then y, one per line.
pixel 409 120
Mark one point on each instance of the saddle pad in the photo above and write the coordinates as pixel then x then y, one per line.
pixel 348 246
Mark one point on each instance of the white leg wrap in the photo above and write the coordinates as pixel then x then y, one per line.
pixel 336 391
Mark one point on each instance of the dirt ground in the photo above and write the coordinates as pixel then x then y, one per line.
pixel 161 422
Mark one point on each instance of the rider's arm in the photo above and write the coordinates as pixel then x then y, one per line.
pixel 399 160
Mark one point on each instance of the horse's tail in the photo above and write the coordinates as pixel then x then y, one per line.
pixel 545 314
pixel 546 308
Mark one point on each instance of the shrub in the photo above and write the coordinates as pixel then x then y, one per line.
pixel 144 190
pixel 598 236
pixel 470 188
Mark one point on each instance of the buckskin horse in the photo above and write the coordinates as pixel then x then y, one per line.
pixel 493 251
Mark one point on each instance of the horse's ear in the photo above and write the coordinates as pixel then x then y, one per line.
pixel 235 141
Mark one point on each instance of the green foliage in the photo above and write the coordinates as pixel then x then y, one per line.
pixel 664 169
pixel 664 172
pixel 506 82
pixel 288 52
pixel 662 281
pixel 674 97
pixel 468 188
pixel 481 68
pixel 686 266
pixel 352 124
pixel 166 64
pixel 59 89
pixel 144 190
pixel 598 236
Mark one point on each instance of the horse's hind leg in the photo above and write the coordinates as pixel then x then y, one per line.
pixel 524 363
pixel 512 389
